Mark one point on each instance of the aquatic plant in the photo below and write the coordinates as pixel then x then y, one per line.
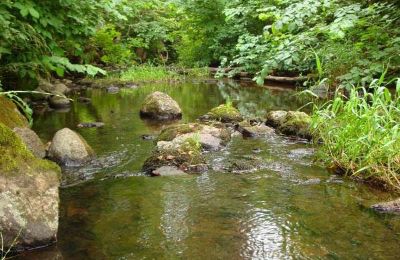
pixel 360 133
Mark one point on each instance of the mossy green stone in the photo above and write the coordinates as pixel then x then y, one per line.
pixel 226 114
pixel 10 115
pixel 15 156
pixel 169 133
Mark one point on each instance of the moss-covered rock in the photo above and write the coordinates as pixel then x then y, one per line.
pixel 10 115
pixel 296 123
pixel 276 118
pixel 254 131
pixel 28 194
pixel 160 106
pixel 171 132
pixel 223 113
pixel 245 164
pixel 181 155
pixel 32 141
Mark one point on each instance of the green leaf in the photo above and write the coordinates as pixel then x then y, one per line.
pixel 34 13
pixel 60 71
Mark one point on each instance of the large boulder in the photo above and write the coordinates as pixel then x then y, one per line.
pixel 10 115
pixel 160 106
pixel 32 141
pixel 297 124
pixel 69 148
pixel 29 198
pixel 223 113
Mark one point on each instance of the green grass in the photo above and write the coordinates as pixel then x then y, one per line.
pixel 360 133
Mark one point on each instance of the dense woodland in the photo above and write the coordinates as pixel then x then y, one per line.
pixel 355 41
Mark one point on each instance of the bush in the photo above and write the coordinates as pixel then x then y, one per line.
pixel 360 133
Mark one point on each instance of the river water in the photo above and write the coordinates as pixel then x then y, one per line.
pixel 291 209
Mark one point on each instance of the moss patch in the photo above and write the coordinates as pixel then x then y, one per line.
pixel 296 123
pixel 9 114
pixel 169 133
pixel 225 113
pixel 16 159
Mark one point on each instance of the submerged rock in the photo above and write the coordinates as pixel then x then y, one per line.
pixel 160 106
pixel 112 90
pixel 388 207
pixel 223 113
pixel 10 115
pixel 32 141
pixel 296 123
pixel 69 148
pixel 91 125
pixel 246 164
pixel 276 118
pixel 29 198
pixel 168 171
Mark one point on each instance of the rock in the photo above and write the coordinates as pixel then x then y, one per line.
pixel 301 153
pixel 168 171
pixel 181 155
pixel 296 124
pixel 112 90
pixel 276 118
pixel 56 89
pixel 254 131
pixel 59 102
pixel 207 141
pixel 69 148
pixel 91 125
pixel 388 207
pixel 160 106
pixel 223 113
pixel 84 100
pixel 148 137
pixel 10 115
pixel 29 200
pixel 32 141
pixel 209 137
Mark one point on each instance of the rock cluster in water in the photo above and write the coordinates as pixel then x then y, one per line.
pixel 181 148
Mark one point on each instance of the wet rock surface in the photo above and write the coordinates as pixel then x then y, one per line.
pixel 254 131
pixel 69 148
pixel 160 106
pixel 59 102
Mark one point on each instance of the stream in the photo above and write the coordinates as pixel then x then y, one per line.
pixel 290 209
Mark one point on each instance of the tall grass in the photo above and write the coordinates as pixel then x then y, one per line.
pixel 360 133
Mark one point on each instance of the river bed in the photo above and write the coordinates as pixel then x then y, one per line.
pixel 291 209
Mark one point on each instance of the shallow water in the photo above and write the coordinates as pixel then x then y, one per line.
pixel 291 209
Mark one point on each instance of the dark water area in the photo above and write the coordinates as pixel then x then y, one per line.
pixel 291 209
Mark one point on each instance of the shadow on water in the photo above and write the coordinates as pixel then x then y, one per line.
pixel 289 209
